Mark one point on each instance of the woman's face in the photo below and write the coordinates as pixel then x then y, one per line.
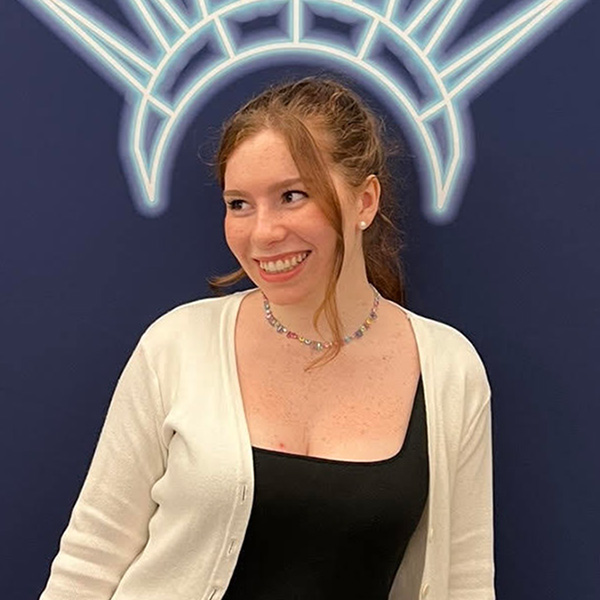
pixel 277 232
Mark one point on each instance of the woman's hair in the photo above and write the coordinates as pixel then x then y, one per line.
pixel 326 125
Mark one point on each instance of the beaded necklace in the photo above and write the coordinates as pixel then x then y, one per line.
pixel 280 328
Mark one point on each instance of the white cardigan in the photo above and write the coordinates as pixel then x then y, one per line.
pixel 166 502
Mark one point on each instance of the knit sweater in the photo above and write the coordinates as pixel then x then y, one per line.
pixel 165 505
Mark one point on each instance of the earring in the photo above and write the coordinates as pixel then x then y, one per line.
pixel 362 225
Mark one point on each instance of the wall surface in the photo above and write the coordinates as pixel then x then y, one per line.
pixel 83 271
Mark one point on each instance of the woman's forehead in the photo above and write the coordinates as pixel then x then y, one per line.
pixel 264 158
pixel 260 161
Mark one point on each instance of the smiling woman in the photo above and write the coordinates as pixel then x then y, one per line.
pixel 308 438
pixel 321 136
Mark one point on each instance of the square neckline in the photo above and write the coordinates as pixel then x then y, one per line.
pixel 419 397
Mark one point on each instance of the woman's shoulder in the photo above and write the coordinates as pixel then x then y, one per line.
pixel 435 332
pixel 198 318
pixel 446 346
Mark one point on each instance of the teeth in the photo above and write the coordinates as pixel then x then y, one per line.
pixel 281 266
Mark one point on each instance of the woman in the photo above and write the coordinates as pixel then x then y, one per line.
pixel 305 439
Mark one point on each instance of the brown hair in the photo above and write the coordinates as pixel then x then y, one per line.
pixel 350 140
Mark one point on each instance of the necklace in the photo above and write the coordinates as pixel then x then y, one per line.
pixel 280 328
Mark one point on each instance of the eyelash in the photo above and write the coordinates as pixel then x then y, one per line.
pixel 235 205
pixel 232 204
pixel 289 192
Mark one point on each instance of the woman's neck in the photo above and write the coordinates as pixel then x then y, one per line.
pixel 354 302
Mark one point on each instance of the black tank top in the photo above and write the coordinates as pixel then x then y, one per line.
pixel 322 529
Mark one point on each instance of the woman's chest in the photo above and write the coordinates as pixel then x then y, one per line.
pixel 351 409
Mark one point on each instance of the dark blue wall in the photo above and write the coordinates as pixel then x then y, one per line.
pixel 82 274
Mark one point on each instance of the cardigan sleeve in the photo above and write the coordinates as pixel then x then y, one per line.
pixel 471 519
pixel 108 527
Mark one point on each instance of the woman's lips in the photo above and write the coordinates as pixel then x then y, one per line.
pixel 285 263
pixel 282 270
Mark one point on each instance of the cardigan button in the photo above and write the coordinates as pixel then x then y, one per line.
pixel 425 591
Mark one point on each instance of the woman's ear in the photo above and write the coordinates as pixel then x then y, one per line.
pixel 368 199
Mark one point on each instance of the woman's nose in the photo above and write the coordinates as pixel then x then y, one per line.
pixel 269 227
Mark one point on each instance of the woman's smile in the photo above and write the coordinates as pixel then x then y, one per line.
pixel 281 265
pixel 282 270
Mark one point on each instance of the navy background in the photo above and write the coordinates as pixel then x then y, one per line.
pixel 82 274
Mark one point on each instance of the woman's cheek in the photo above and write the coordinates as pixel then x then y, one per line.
pixel 231 235
pixel 237 240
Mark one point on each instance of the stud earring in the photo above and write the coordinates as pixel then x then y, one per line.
pixel 362 225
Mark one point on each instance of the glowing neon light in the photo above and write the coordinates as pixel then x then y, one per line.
pixel 436 118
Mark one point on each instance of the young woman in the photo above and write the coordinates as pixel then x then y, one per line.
pixel 306 439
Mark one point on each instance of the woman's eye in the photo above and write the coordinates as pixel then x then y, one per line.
pixel 235 204
pixel 294 195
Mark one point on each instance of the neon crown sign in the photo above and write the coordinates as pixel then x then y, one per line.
pixel 201 42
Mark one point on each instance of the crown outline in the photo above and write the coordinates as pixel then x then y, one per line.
pixel 422 31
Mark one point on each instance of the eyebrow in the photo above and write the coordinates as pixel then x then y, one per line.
pixel 273 188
